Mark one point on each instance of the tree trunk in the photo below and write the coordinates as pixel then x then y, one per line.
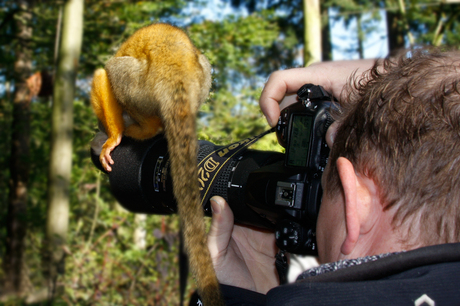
pixel 312 31
pixel 16 277
pixel 397 27
pixel 140 233
pixel 61 140
pixel 326 36
pixel 395 32
pixel 360 35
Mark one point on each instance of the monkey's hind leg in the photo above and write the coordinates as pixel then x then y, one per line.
pixel 109 112
pixel 144 128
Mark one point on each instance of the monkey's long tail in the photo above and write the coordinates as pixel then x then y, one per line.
pixel 180 131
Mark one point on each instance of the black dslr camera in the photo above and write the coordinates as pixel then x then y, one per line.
pixel 271 190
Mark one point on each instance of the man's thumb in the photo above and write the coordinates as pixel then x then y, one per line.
pixel 221 226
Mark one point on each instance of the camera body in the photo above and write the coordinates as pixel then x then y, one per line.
pixel 293 189
pixel 280 192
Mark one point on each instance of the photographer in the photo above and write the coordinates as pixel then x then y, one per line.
pixel 389 223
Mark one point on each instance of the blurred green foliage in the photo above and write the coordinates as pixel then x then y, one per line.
pixel 103 264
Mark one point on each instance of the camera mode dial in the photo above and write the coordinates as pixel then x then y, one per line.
pixel 292 237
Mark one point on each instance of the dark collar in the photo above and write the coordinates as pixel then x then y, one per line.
pixel 392 265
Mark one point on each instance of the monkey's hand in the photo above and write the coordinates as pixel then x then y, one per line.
pixel 99 147
pixel 105 158
pixel 102 146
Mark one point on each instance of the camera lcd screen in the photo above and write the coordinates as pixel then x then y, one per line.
pixel 299 142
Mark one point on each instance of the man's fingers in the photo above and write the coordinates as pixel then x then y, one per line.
pixel 279 84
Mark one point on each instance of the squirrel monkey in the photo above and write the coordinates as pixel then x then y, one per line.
pixel 160 79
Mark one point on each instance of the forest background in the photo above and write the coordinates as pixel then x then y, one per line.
pixel 102 254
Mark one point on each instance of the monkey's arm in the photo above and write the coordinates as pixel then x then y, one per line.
pixel 109 112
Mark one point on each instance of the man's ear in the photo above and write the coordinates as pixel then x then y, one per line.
pixel 350 183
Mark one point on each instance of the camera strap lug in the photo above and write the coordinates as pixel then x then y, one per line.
pixel 309 92
pixel 282 267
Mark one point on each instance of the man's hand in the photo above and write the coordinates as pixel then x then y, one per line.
pixel 242 256
pixel 331 75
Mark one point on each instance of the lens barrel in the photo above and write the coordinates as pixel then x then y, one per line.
pixel 141 182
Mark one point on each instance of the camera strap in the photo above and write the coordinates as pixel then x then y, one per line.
pixel 282 266
pixel 210 167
